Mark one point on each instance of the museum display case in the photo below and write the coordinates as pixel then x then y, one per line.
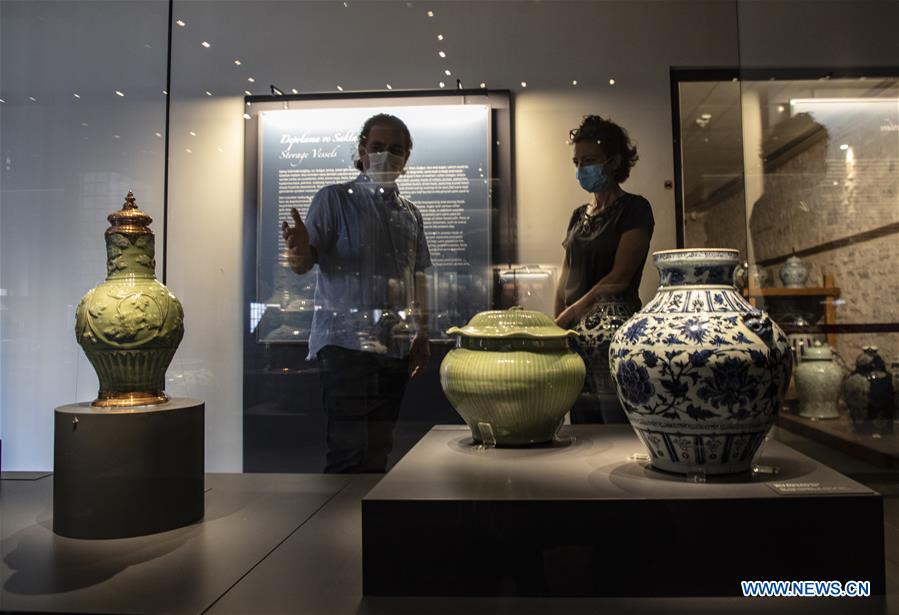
pixel 808 192
pixel 367 213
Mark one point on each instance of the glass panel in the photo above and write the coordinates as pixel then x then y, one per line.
pixel 82 118
pixel 336 56
pixel 711 146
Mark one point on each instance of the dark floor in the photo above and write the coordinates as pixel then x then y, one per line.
pixel 278 543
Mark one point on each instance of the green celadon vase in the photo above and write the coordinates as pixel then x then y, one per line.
pixel 512 376
pixel 130 325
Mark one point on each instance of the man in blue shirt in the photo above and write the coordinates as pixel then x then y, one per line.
pixel 369 328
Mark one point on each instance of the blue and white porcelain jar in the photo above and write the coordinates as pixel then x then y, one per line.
pixel 794 273
pixel 701 373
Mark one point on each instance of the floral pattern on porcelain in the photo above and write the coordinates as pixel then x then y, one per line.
pixel 794 273
pixel 701 373
pixel 595 331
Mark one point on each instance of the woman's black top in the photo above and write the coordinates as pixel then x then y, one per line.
pixel 591 243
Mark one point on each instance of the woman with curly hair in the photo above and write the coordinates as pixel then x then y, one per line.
pixel 605 249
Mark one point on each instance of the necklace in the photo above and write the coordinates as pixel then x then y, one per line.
pixel 588 219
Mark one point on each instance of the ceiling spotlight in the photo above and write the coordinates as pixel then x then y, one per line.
pixel 76 95
pixel 447 72
pixel 251 80
pixel 85 124
pixel 206 45
pixel 192 133
pixel 237 62
pixel 442 54
pixel 524 84
pixel 574 82
pixel 439 37
pixel 276 91
pixel 246 116
pixel 118 93
pixel 208 93
pixel 294 91
pixel 430 13
pixel 340 88
pixel 159 134
pixel 389 87
pixel 483 85
pixel 781 108
pixel 33 99
pixel 443 85
pixel 2 101
pixel 706 116
pixel 188 150
pixel 180 23
pixel 844 147
pixel 247 92
pixel 165 93
pixel 611 82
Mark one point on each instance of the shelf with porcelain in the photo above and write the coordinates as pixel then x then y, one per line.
pixel 792 292
pixel 828 291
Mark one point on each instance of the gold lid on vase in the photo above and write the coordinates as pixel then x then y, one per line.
pixel 129 220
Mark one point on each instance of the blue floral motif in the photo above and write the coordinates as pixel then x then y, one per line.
pixel 673 276
pixel 730 385
pixel 700 358
pixel 633 382
pixel 695 329
pixel 649 359
pixel 635 330
pixel 712 275
pixel 671 339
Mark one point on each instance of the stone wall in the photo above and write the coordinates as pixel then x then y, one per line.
pixel 817 193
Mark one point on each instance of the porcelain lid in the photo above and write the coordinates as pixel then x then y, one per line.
pixel 513 323
pixel 818 352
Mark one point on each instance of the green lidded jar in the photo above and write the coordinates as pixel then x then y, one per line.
pixel 818 382
pixel 130 325
pixel 512 374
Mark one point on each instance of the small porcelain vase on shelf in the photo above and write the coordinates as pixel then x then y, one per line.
pixel 130 325
pixel 701 373
pixel 818 382
pixel 868 392
pixel 794 273
pixel 512 376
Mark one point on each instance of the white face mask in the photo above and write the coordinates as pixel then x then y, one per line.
pixel 384 167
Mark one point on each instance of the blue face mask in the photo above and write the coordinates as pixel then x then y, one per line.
pixel 592 178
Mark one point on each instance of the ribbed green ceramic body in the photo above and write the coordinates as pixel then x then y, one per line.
pixel 519 384
pixel 130 325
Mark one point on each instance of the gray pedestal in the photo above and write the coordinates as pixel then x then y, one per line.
pixel 584 519
pixel 127 472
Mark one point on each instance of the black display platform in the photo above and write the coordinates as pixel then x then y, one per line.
pixel 127 472
pixel 584 519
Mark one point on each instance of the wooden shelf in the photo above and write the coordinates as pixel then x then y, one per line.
pixel 792 292
pixel 829 292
